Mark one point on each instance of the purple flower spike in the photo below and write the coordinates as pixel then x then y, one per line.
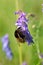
pixel 5 41
pixel 22 23
pixel 24 63
pixel 18 12
pixel 21 19
pixel 6 48
pixel 28 36
pixel 9 54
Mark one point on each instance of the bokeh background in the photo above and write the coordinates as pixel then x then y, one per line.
pixel 7 25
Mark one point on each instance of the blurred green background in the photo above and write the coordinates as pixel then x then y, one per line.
pixel 7 25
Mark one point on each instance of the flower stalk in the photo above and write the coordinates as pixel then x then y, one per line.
pixel 20 53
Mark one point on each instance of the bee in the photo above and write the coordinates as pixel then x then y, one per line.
pixel 19 35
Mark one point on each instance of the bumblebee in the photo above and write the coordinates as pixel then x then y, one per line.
pixel 19 35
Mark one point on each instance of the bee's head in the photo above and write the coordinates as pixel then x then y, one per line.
pixel 16 33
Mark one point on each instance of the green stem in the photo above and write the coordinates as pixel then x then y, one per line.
pixel 19 46
pixel 20 53
pixel 37 45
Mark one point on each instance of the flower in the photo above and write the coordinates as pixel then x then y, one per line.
pixel 22 26
pixel 5 46
pixel 24 63
pixel 9 53
pixel 5 42
pixel 28 37
pixel 22 18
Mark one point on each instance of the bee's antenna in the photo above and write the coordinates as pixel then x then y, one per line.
pixel 30 14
